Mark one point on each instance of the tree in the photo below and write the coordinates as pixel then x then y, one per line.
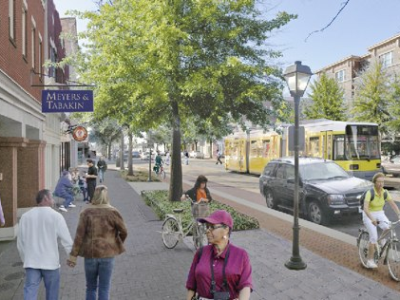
pixel 105 132
pixel 373 97
pixel 174 59
pixel 327 100
pixel 394 123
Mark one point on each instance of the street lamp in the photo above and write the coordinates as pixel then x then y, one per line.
pixel 297 77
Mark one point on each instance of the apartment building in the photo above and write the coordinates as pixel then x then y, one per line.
pixel 29 139
pixel 348 70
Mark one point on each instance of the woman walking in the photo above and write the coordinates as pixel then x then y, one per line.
pixel 99 238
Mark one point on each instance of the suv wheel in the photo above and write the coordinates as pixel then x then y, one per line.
pixel 315 213
pixel 269 198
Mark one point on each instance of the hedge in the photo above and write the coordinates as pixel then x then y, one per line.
pixel 158 200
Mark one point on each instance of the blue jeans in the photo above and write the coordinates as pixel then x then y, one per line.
pixel 98 273
pixel 33 277
pixel 67 200
pixel 101 175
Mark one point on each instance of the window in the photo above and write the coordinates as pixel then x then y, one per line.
pixel 289 172
pixel 280 172
pixel 33 43
pixel 340 76
pixel 24 26
pixel 53 59
pixel 314 147
pixel 386 59
pixel 11 19
pixel 40 56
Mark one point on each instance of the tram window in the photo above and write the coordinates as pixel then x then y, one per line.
pixel 253 149
pixel 314 147
pixel 338 147
pixel 266 147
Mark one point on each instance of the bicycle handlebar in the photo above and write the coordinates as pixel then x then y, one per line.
pixel 390 223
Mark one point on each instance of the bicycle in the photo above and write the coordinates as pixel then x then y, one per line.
pixel 173 231
pixel 390 251
pixel 159 170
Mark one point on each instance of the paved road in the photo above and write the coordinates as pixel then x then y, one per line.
pixel 226 180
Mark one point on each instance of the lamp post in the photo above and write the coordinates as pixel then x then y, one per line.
pixel 297 77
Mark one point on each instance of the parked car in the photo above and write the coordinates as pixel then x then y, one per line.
pixel 146 155
pixel 391 166
pixel 325 189
pixel 196 154
pixel 135 154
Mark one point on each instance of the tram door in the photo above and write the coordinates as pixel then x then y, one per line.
pixel 327 142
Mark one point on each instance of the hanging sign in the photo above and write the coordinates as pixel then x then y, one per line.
pixel 80 133
pixel 57 101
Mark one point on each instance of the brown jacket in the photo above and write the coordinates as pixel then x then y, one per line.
pixel 101 233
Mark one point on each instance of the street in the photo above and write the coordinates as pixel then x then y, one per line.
pixel 222 180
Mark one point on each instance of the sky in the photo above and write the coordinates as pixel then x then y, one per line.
pixel 362 24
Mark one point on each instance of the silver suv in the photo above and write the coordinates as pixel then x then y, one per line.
pixel 326 190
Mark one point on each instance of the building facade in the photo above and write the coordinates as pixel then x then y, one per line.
pixel 29 139
pixel 348 70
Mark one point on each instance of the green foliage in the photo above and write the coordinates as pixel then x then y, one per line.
pixel 158 200
pixel 394 123
pixel 327 100
pixel 374 97
pixel 178 62
pixel 139 176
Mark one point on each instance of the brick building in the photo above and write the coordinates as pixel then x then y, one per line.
pixel 347 71
pixel 29 139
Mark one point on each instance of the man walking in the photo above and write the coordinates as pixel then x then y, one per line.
pixel 91 178
pixel 102 166
pixel 39 229
pixel 219 154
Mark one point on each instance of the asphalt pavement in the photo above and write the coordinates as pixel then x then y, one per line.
pixel 147 270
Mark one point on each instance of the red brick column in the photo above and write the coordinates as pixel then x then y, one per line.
pixel 30 172
pixel 9 186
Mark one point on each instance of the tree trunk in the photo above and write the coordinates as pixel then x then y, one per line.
pixel 175 183
pixel 121 152
pixel 109 150
pixel 130 169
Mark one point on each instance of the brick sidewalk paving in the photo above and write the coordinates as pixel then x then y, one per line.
pixel 149 271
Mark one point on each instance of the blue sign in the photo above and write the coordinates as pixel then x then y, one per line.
pixel 56 101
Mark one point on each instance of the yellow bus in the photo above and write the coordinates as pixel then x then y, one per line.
pixel 355 146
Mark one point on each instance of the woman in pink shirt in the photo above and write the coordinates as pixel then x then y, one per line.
pixel 227 264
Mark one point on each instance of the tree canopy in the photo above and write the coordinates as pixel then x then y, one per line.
pixel 373 97
pixel 167 61
pixel 327 100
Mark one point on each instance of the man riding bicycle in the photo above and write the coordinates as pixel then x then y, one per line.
pixel 158 163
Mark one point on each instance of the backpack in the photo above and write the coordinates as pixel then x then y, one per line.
pixel 385 195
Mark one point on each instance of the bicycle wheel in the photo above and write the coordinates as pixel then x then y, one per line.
pixel 363 244
pixel 199 236
pixel 170 233
pixel 393 259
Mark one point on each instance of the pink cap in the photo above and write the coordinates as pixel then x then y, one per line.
pixel 218 217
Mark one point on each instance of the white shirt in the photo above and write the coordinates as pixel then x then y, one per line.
pixel 39 230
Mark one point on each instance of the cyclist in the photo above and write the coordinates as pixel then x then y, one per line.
pixel 158 162
pixel 374 215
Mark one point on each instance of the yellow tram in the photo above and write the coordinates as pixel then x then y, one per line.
pixel 354 146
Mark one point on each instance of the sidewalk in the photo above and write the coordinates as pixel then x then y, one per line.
pixel 149 271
